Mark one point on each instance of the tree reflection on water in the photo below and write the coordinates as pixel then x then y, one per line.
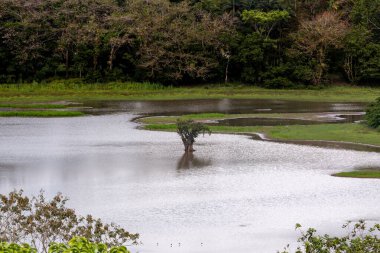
pixel 190 161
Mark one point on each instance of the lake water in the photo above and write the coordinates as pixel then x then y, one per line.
pixel 179 107
pixel 234 195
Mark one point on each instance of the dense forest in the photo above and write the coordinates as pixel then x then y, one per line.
pixel 273 43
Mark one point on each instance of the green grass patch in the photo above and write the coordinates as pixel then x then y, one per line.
pixel 75 90
pixel 355 133
pixel 161 127
pixel 360 174
pixel 43 114
pixel 77 84
pixel 33 106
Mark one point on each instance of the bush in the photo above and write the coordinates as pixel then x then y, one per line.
pixel 372 116
pixel 360 239
pixel 75 245
pixel 81 244
pixel 292 75
pixel 279 83
pixel 16 248
pixel 41 222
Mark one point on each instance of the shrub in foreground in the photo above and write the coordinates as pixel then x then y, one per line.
pixel 81 244
pixel 75 245
pixel 41 222
pixel 360 239
pixel 373 114
pixel 16 248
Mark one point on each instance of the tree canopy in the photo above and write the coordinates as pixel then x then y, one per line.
pixel 189 130
pixel 275 43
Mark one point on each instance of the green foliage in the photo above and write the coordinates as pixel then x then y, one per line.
pixel 373 114
pixel 264 18
pixel 354 133
pixel 236 7
pixel 42 222
pixel 362 48
pixel 251 55
pixel 256 55
pixel 109 41
pixel 288 75
pixel 360 239
pixel 279 83
pixel 366 13
pixel 75 245
pixel 30 94
pixel 42 114
pixel 264 22
pixel 16 248
pixel 189 130
pixel 34 106
pixel 360 174
pixel 362 56
pixel 189 41
pixel 81 244
pixel 79 85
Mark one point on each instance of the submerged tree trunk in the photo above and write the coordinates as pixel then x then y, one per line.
pixel 189 148
pixel 188 145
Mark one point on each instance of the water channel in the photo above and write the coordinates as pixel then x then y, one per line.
pixel 234 194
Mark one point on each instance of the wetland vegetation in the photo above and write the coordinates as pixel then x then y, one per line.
pixel 46 222
pixel 346 132
pixel 363 173
pixel 283 71
pixel 33 106
pixel 41 110
pixel 41 114
pixel 31 93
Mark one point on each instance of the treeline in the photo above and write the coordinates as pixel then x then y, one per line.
pixel 274 43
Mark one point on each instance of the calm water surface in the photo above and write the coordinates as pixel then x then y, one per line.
pixel 234 195
pixel 179 107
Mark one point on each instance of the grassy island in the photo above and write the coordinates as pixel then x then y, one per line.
pixel 360 174
pixel 349 132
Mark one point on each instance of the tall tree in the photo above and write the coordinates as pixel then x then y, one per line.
pixel 265 22
pixel 315 37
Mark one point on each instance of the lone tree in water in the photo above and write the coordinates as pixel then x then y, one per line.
pixel 189 131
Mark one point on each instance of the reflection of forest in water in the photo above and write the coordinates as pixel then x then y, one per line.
pixel 190 161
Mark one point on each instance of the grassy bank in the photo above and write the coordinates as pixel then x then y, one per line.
pixel 33 106
pixel 355 133
pixel 360 174
pixel 46 110
pixel 41 114
pixel 73 90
